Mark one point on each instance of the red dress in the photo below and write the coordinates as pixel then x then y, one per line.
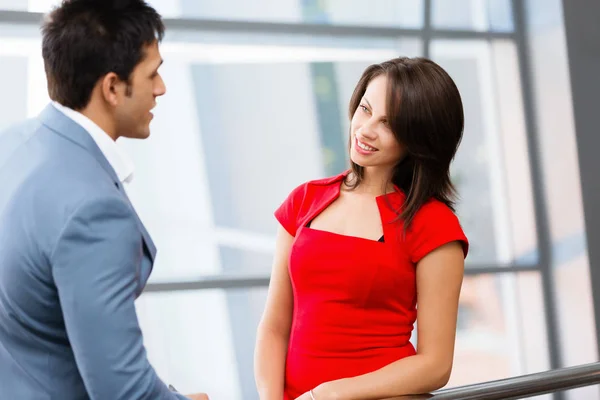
pixel 354 298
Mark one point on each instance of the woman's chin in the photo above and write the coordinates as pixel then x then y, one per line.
pixel 359 160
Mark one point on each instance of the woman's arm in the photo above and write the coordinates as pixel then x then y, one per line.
pixel 439 278
pixel 274 328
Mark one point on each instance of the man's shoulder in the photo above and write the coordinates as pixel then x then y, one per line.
pixel 48 176
pixel 31 142
pixel 15 136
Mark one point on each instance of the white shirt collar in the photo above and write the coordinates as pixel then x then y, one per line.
pixel 116 156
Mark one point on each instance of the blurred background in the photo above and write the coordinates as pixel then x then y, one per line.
pixel 257 97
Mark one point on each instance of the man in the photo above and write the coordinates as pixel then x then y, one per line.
pixel 73 253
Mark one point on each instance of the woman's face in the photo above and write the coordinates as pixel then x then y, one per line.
pixel 372 142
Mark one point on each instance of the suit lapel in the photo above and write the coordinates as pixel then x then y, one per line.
pixel 72 131
pixel 147 239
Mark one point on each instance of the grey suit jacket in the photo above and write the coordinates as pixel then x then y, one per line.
pixel 73 257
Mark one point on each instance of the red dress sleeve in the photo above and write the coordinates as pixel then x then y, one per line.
pixel 433 226
pixel 287 213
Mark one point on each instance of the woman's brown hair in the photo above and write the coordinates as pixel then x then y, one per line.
pixel 425 114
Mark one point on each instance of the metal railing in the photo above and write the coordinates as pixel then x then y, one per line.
pixel 519 387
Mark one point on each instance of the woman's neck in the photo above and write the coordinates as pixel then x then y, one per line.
pixel 375 182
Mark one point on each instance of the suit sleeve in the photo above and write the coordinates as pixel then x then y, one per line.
pixel 94 265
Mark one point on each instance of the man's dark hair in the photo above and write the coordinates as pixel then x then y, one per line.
pixel 83 40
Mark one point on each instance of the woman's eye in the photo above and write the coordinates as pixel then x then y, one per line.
pixel 365 109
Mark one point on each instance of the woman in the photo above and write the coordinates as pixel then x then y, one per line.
pixel 357 252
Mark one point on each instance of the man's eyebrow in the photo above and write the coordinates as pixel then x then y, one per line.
pixel 159 64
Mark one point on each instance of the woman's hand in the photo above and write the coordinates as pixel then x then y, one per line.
pixel 197 396
pixel 305 396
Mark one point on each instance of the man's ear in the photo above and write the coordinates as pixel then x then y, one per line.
pixel 111 87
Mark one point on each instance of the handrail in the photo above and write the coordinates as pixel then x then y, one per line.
pixel 519 387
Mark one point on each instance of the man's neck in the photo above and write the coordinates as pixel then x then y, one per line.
pixel 100 119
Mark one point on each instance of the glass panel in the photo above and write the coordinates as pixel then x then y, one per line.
pixel 585 393
pixel 203 341
pixel 548 396
pixel 13 5
pixel 241 125
pixel 492 165
pixel 477 15
pixel 501 328
pixel 21 60
pixel 558 149
pixel 277 106
pixel 392 13
pixel 395 13
pixel 13 105
pixel 235 260
pixel 20 52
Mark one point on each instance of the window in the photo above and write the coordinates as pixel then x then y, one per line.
pixel 257 96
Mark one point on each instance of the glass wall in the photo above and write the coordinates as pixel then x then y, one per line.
pixel 257 96
pixel 562 188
